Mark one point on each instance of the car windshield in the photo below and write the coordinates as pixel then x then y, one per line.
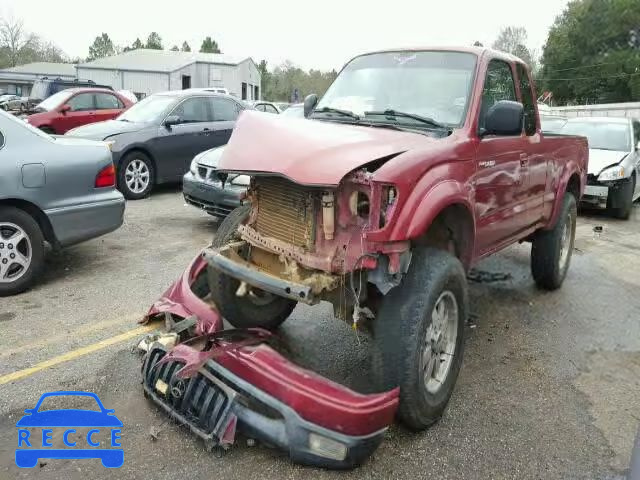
pixel 54 101
pixel 296 111
pixel 151 109
pixel 601 135
pixel 432 84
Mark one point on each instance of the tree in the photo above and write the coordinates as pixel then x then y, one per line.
pixel 15 41
pixel 154 41
pixel 102 47
pixel 209 46
pixel 186 47
pixel 280 84
pixel 590 56
pixel 478 43
pixel 175 48
pixel 513 40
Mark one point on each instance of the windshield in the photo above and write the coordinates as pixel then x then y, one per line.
pixel 54 101
pixel 294 111
pixel 430 84
pixel 601 135
pixel 151 109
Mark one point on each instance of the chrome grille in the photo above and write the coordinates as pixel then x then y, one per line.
pixel 208 174
pixel 285 211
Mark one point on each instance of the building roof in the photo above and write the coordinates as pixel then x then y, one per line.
pixel 146 60
pixel 44 68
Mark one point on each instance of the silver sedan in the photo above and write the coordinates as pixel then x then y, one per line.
pixel 52 189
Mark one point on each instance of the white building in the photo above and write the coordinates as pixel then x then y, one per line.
pixel 146 71
pixel 19 80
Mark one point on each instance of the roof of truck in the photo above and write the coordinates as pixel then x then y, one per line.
pixel 479 51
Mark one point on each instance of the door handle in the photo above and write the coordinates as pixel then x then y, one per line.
pixel 207 131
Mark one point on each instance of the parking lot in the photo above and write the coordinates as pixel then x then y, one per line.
pixel 550 385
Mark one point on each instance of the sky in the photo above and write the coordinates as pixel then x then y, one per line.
pixel 321 35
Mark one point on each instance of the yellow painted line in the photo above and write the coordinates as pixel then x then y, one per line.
pixel 75 354
pixel 89 328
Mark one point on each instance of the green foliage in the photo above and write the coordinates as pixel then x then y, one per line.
pixel 154 41
pixel 588 57
pixel 134 46
pixel 18 46
pixel 175 48
pixel 102 47
pixel 513 40
pixel 209 46
pixel 186 47
pixel 280 84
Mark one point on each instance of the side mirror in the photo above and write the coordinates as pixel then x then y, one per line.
pixel 310 103
pixel 504 118
pixel 65 108
pixel 171 120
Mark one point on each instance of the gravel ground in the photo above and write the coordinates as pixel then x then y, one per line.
pixel 550 386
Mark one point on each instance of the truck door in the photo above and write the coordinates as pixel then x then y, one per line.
pixel 501 171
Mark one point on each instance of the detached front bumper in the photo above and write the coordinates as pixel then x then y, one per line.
pixel 259 392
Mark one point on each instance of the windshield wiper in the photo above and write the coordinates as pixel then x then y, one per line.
pixel 344 113
pixel 413 116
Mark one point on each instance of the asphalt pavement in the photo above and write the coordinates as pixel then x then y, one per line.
pixel 549 388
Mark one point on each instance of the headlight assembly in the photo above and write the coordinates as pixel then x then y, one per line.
pixel 612 173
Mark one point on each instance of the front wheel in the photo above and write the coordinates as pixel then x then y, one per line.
pixel 419 336
pixel 136 176
pixel 551 249
pixel 247 307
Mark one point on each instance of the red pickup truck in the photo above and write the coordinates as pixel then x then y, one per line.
pixel 415 165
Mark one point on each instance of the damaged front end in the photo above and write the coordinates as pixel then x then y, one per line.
pixel 311 243
pixel 223 382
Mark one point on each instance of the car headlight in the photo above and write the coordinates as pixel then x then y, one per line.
pixel 612 173
pixel 194 166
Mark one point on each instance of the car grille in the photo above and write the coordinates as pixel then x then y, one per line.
pixel 202 403
pixel 285 211
pixel 207 174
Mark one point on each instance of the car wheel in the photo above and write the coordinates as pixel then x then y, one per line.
pixel 620 199
pixel 21 251
pixel 136 176
pixel 419 336
pixel 551 249
pixel 256 308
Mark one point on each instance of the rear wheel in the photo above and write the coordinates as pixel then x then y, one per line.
pixel 551 249
pixel 247 307
pixel 620 199
pixel 419 336
pixel 21 251
pixel 136 176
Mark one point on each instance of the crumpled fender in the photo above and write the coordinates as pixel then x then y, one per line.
pixel 180 300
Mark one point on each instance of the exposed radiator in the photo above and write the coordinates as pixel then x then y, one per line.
pixel 285 211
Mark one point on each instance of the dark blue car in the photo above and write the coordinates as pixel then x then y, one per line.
pixel 32 448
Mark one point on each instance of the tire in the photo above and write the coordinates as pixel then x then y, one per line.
pixel 255 309
pixel 620 200
pixel 402 327
pixel 15 278
pixel 551 249
pixel 136 176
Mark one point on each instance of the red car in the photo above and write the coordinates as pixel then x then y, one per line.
pixel 76 107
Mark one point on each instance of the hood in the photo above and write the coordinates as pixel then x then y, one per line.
pixel 309 152
pixel 102 130
pixel 601 159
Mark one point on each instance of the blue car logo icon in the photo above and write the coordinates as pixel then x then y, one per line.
pixel 32 447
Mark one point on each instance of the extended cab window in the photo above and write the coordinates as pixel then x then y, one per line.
pixel 498 85
pixel 636 133
pixel 81 102
pixel 527 100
